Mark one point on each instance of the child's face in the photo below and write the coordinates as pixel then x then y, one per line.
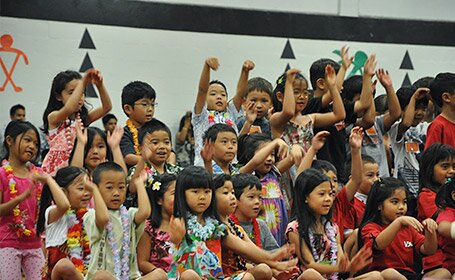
pixel 370 175
pixel 69 89
pixel 160 147
pixel 78 195
pixel 110 125
pixel 216 98
pixel 266 165
pixel 142 111
pixel 167 202
pixel 198 199
pixel 112 187
pixel 320 200
pixel 443 170
pixel 301 94
pixel 24 147
pixel 19 115
pixel 333 178
pixel 225 147
pixel 97 153
pixel 249 203
pixel 225 199
pixel 262 102
pixel 394 206
pixel 419 115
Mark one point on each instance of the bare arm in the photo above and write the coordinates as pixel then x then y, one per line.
pixel 394 104
pixel 445 228
pixel 131 159
pixel 113 140
pixel 78 155
pixel 242 84
pixel 346 62
pixel 408 116
pixel 106 104
pixel 355 141
pixel 317 143
pixel 183 133
pixel 388 235
pixel 101 213
pixel 143 202
pixel 210 63
pixel 261 155
pixel 430 245
pixel 61 201
pixel 144 246
pixel 7 207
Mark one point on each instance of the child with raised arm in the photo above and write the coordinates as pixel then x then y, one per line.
pixel 65 107
pixel 394 237
pixel 114 235
pixel 212 106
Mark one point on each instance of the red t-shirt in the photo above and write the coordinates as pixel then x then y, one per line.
pixel 447 244
pixel 426 208
pixel 441 130
pixel 399 254
pixel 357 212
pixel 342 212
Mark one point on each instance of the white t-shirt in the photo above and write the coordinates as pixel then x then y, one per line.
pixel 57 231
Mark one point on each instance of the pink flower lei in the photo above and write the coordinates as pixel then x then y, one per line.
pixel 331 236
pixel 121 255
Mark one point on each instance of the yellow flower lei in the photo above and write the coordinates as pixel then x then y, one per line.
pixel 134 132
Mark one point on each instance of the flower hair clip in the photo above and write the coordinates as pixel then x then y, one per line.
pixel 156 186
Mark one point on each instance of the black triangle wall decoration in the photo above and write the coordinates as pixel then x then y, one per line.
pixel 90 91
pixel 287 68
pixel 86 64
pixel 288 52
pixel 406 63
pixel 87 42
pixel 406 81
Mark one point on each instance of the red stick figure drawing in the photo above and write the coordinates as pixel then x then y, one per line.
pixel 6 41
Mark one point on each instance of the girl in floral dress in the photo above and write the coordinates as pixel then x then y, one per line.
pixel 65 107
pixel 153 250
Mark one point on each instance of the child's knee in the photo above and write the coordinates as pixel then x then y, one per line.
pixel 103 275
pixel 157 274
pixel 310 274
pixel 392 274
pixel 189 275
pixel 440 273
pixel 248 276
pixel 261 271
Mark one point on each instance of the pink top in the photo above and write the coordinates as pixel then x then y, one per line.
pixel 61 141
pixel 28 207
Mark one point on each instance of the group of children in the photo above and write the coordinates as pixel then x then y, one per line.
pixel 286 184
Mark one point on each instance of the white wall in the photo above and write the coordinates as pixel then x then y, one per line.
pixel 171 61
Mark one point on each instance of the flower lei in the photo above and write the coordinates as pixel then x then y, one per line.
pixel 77 241
pixel 223 117
pixel 256 230
pixel 19 216
pixel 211 229
pixel 134 132
pixel 331 236
pixel 121 255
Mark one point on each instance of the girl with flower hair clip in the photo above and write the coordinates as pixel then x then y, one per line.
pixel 197 232
pixel 67 244
pixel 20 192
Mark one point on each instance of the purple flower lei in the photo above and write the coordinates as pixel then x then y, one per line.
pixel 331 236
pixel 121 263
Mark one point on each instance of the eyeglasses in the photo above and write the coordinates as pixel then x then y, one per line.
pixel 146 104
pixel 303 93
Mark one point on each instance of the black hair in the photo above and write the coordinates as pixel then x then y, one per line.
pixel 423 82
pixel 351 87
pixel 219 180
pixel 64 177
pixel 103 167
pixel 305 183
pixel 219 83
pixel 155 195
pixel 430 157
pixel 259 84
pixel 91 134
pixel 58 85
pixel 366 159
pixel 108 117
pixel 380 191
pixel 404 95
pixel 443 82
pixel 317 70
pixel 249 144
pixel 192 177
pixel 212 132
pixel 444 197
pixel 280 85
pixel 324 166
pixel 13 109
pixel 243 181
pixel 381 104
pixel 136 90
pixel 16 128
pixel 152 126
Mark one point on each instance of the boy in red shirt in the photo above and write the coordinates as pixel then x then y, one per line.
pixel 442 129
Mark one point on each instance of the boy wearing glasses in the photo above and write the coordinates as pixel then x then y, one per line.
pixel 138 103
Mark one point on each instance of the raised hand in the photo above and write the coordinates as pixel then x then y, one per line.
pixel 248 65
pixel 207 151
pixel 283 149
pixel 370 65
pixel 290 75
pixel 346 61
pixel 141 179
pixel 146 153
pixel 97 78
pixel 318 140
pixel 355 139
pixel 89 185
pixel 420 93
pixel 213 63
pixel 113 140
pixel 39 176
pixel 297 154
pixel 384 78
pixel 177 230
pixel 412 222
pixel 81 134
pixel 330 75
pixel 251 112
